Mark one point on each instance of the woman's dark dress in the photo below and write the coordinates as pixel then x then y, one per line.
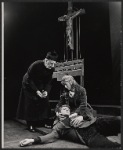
pixel 31 107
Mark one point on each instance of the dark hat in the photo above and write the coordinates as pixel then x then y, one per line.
pixel 52 56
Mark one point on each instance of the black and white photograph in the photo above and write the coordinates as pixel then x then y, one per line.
pixel 61 74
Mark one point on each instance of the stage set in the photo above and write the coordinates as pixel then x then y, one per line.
pixel 91 68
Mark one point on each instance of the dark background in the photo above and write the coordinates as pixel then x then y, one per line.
pixel 32 29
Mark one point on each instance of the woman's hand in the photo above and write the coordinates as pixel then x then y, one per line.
pixel 39 93
pixel 75 122
pixel 26 142
pixel 42 95
pixel 45 93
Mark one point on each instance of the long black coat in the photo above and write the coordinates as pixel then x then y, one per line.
pixel 31 107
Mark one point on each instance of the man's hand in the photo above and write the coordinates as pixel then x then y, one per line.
pixel 75 122
pixel 26 142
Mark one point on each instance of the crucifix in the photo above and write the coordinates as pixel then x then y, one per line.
pixel 73 66
pixel 69 30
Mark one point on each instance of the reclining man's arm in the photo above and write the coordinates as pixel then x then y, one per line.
pixel 48 138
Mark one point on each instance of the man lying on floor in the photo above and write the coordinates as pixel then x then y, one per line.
pixel 92 136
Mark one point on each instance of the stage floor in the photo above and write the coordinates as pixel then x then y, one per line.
pixel 15 131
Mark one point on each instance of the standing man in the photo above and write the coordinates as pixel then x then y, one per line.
pixel 36 85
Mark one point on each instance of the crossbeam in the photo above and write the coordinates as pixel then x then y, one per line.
pixel 71 15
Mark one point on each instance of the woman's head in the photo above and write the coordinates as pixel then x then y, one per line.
pixel 50 60
pixel 49 64
pixel 52 56
pixel 68 81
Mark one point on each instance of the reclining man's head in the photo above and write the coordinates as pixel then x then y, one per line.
pixel 64 110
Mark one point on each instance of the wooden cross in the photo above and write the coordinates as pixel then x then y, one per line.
pixel 69 25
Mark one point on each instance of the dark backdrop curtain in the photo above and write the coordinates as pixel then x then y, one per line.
pixel 115 32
